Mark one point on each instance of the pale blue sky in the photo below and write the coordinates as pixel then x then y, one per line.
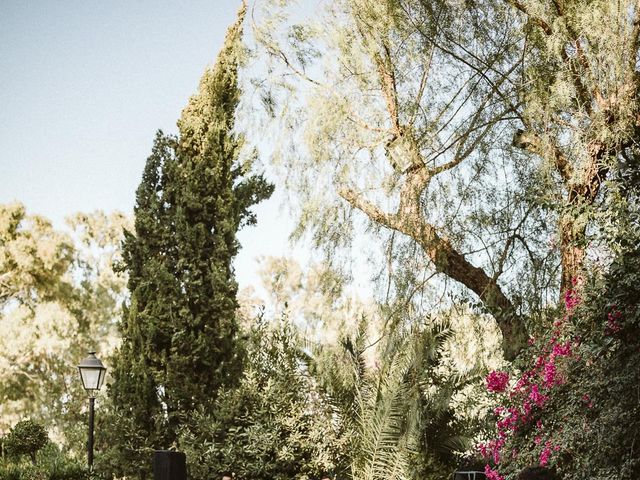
pixel 83 87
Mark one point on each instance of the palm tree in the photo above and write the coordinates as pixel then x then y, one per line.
pixel 398 413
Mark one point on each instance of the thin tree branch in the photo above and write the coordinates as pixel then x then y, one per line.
pixel 538 21
pixel 371 210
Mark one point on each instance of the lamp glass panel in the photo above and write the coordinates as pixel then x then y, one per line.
pixel 103 372
pixel 91 378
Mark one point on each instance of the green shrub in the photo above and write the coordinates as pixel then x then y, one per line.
pixel 26 438
pixel 584 417
pixel 9 472
pixel 59 466
pixel 22 471
pixel 69 471
pixel 52 464
pixel 273 426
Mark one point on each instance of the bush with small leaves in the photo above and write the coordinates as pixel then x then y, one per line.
pixel 26 438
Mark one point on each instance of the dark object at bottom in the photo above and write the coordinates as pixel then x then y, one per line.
pixel 169 465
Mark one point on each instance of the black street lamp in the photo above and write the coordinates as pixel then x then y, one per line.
pixel 92 373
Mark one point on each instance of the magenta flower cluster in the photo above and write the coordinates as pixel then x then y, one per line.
pixel 497 381
pixel 613 321
pixel 492 474
pixel 571 296
pixel 531 393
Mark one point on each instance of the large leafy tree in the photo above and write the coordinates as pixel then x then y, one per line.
pixel 180 329
pixel 59 297
pixel 482 132
pixel 403 130
pixel 579 107
pixel 33 259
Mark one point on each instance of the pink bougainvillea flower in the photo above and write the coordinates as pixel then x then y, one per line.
pixel 492 474
pixel 549 374
pixel 497 381
pixel 545 454
pixel 484 450
pixel 533 389
pixel 571 299
pixel 562 349
pixel 536 397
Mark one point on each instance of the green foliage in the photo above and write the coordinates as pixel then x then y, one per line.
pixel 398 414
pixel 179 329
pixel 33 258
pixel 60 465
pixel 131 456
pixel 404 126
pixel 61 298
pixel 9 472
pixel 275 424
pixel 52 464
pixel 590 424
pixel 26 438
pixel 68 471
pixel 22 472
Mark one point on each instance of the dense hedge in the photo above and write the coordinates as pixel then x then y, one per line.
pixel 575 402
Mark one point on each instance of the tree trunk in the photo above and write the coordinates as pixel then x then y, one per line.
pixel 410 221
pixel 572 253
pixel 453 264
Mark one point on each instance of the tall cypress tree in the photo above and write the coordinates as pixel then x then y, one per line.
pixel 179 331
pixel 139 424
pixel 212 201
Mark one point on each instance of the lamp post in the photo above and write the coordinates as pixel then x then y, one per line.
pixel 92 373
